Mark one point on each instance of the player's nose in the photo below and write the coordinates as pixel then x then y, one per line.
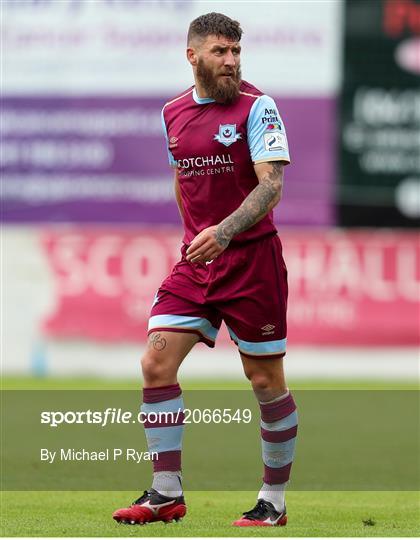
pixel 229 59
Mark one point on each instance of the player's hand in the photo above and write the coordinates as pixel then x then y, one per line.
pixel 204 248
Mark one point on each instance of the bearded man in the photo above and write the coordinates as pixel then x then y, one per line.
pixel 228 147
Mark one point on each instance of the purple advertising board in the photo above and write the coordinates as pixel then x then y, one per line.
pixel 103 160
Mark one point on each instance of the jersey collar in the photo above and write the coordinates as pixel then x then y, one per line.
pixel 199 100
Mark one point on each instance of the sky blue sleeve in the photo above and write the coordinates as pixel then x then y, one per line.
pixel 171 159
pixel 267 138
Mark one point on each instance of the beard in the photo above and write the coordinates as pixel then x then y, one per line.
pixel 220 89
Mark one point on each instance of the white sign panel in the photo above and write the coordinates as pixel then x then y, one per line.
pixel 134 47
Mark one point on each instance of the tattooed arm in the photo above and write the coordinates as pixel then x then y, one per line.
pixel 210 242
pixel 257 205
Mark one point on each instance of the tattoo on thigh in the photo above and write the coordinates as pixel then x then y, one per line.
pixel 158 342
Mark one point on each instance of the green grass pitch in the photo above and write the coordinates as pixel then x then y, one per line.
pixel 311 513
pixel 211 513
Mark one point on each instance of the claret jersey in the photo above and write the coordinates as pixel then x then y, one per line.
pixel 214 146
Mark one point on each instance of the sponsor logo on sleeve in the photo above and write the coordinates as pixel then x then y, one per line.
pixel 227 134
pixel 270 115
pixel 274 126
pixel 274 140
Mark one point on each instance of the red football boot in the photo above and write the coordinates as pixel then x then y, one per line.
pixel 152 506
pixel 262 515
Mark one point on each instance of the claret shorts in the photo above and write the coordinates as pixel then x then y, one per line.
pixel 246 287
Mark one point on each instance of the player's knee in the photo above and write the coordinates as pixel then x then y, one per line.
pixel 154 367
pixel 260 381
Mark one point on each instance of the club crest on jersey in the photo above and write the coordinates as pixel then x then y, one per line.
pixel 227 134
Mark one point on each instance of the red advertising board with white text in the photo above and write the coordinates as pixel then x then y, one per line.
pixel 346 288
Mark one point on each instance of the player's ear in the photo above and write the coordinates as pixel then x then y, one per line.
pixel 192 56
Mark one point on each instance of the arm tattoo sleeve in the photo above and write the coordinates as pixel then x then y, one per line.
pixel 259 202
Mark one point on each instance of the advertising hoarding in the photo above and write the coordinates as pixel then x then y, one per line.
pixel 84 84
pixel 356 288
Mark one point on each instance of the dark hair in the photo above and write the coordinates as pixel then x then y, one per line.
pixel 214 24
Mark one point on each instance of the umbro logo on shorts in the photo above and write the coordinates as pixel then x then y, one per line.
pixel 268 329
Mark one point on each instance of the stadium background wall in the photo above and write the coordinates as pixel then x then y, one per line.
pixel 89 221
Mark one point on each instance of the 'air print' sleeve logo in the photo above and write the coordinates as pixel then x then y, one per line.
pixel 227 134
